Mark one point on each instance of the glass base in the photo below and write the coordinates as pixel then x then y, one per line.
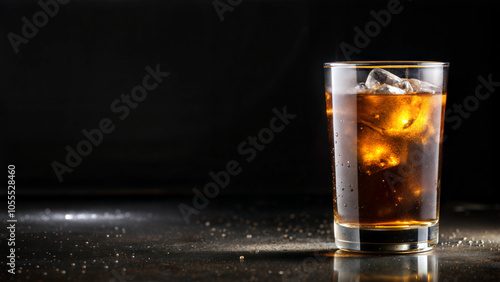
pixel 371 240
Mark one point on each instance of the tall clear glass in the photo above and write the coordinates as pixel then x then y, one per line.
pixel 386 128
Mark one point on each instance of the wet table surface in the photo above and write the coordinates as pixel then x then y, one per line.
pixel 230 239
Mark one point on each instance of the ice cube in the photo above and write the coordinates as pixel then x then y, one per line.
pixel 378 77
pixel 405 85
pixel 420 86
pixel 392 115
pixel 428 121
pixel 377 152
pixel 360 87
pixel 389 89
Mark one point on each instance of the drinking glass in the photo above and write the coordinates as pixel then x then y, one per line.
pixel 385 123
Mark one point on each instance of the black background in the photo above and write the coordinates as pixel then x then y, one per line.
pixel 225 79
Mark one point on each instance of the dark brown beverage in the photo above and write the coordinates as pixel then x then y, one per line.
pixel 387 159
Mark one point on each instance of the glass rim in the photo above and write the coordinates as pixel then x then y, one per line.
pixel 385 64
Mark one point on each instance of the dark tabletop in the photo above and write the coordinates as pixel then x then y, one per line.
pixel 257 238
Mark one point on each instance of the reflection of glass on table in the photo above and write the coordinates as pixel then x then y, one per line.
pixel 349 266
